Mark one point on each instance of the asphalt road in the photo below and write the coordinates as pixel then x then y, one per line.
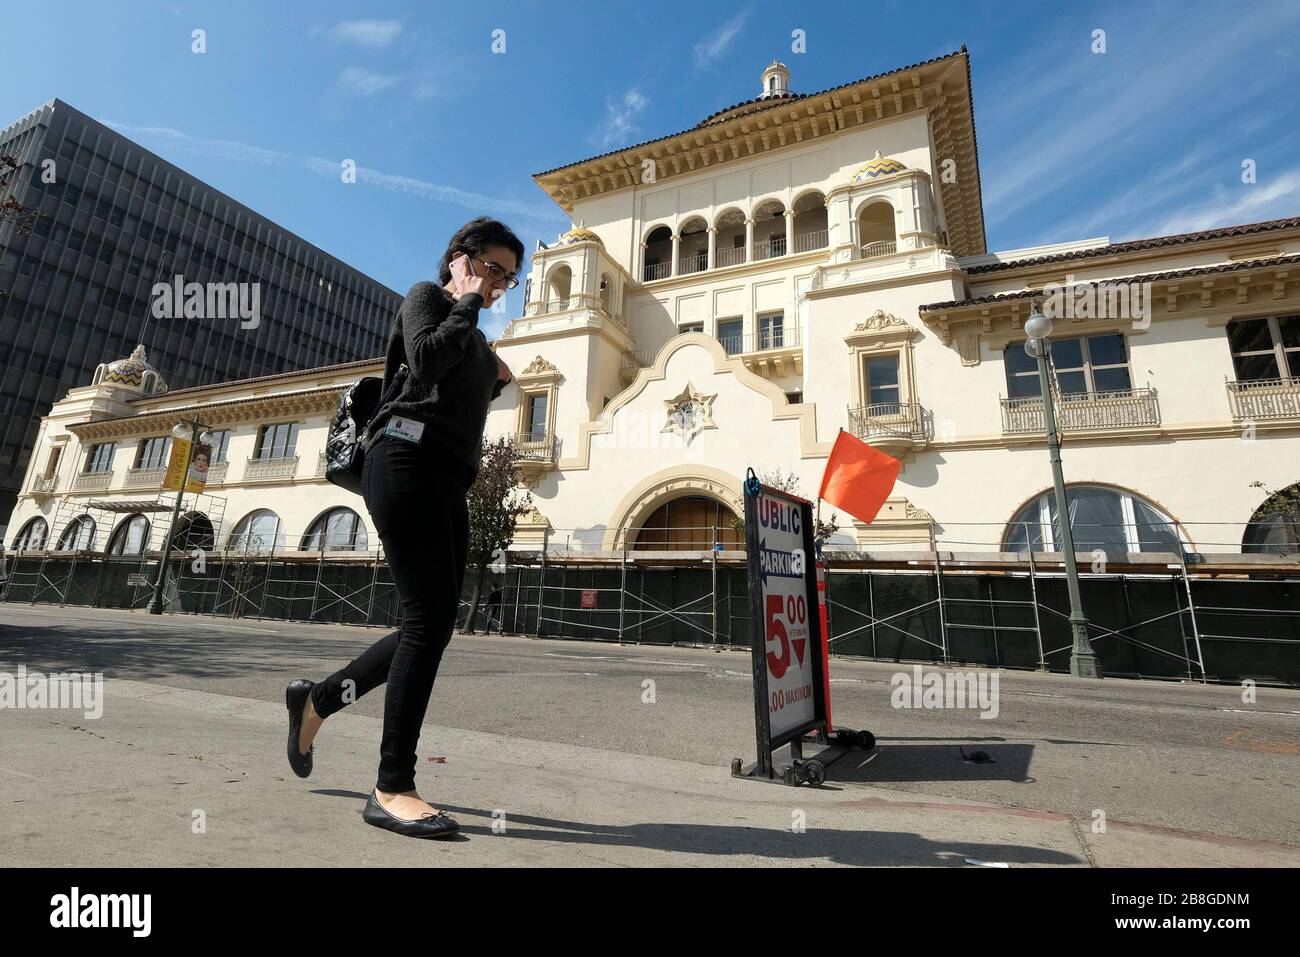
pixel 1166 755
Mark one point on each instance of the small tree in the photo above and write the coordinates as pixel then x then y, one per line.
pixel 789 482
pixel 1283 504
pixel 495 502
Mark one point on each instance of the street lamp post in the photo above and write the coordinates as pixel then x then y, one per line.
pixel 1083 660
pixel 155 606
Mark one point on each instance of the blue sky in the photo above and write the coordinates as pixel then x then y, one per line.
pixel 1145 139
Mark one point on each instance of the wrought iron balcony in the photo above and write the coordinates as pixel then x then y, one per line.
pixel 733 256
pixel 1265 398
pixel 1083 411
pixel 891 425
pixel 655 271
pixel 817 239
pixel 696 262
pixel 537 450
pixel 277 468
pixel 769 248
pixel 878 249
pixel 783 337
pixel 92 481
pixel 145 478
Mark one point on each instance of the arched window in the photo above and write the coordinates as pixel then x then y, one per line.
pixel 80 534
pixel 658 254
pixel 876 233
pixel 193 530
pixel 258 531
pixel 339 529
pixel 1112 520
pixel 558 286
pixel 1274 529
pixel 130 537
pixel 769 229
pixel 32 536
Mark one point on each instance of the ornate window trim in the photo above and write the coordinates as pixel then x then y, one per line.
pixel 877 335
pixel 539 377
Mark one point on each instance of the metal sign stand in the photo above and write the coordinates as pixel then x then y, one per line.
pixel 790 657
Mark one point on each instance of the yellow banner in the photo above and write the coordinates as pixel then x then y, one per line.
pixel 197 477
pixel 176 464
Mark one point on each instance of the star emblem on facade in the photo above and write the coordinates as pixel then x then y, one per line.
pixel 689 412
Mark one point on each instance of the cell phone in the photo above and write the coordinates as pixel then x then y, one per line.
pixel 460 268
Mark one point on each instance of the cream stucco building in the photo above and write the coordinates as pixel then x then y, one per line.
pixel 733 295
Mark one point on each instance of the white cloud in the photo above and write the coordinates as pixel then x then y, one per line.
pixel 711 48
pixel 331 169
pixel 362 82
pixel 369 34
pixel 1065 108
pixel 620 119
pixel 1245 203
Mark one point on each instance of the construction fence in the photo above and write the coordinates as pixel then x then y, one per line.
pixel 1221 617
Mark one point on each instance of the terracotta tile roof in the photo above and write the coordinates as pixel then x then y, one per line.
pixel 775 101
pixel 1134 245
pixel 1148 277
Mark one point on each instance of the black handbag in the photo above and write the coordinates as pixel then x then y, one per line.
pixel 345 442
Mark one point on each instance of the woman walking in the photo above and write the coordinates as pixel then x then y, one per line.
pixel 422 455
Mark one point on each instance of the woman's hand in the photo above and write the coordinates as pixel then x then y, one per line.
pixel 468 282
pixel 503 371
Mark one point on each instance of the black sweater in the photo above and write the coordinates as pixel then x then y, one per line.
pixel 452 378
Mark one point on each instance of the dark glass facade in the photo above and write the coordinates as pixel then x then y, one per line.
pixel 76 291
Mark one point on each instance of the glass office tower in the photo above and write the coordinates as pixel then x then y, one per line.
pixel 75 291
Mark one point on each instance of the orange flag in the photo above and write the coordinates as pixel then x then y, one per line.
pixel 858 479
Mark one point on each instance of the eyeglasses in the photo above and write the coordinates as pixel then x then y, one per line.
pixel 497 273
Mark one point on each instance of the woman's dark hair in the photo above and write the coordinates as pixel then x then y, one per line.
pixel 476 236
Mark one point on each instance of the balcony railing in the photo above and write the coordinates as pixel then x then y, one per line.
pixel 286 467
pixel 769 248
pixel 92 481
pixel 144 478
pixel 761 341
pixel 1122 409
pixel 536 446
pixel 728 257
pixel 655 271
pixel 1264 398
pixel 878 249
pixel 817 239
pixel 889 420
pixel 320 464
pixel 45 484
pixel 696 262
pixel 217 473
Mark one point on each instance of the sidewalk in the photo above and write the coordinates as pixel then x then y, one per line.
pixel 122 791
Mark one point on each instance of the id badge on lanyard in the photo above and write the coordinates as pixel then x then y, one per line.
pixel 407 430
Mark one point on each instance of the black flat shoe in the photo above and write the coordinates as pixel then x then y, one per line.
pixel 295 697
pixel 430 825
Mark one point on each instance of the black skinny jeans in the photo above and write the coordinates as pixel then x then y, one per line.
pixel 417 502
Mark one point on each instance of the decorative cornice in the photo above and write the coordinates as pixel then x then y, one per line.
pixel 214 414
